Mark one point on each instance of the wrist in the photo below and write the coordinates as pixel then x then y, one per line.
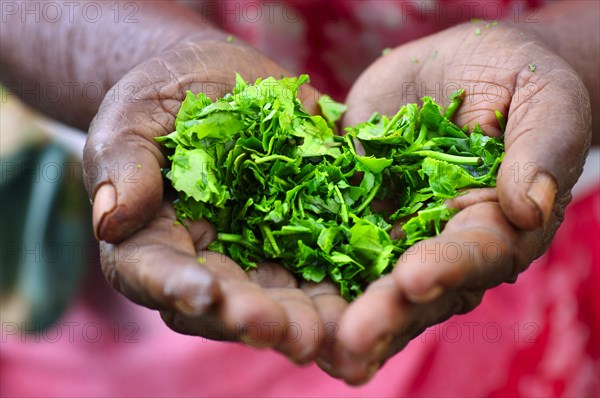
pixel 80 56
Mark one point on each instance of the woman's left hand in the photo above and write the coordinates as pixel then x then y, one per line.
pixel 500 231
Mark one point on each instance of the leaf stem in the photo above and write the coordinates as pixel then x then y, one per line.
pixel 457 98
pixel 235 238
pixel 350 142
pixel 501 120
pixel 393 121
pixel 274 157
pixel 230 238
pixel 269 235
pixel 420 138
pixel 369 198
pixel 466 160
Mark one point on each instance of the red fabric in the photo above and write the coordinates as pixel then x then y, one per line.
pixel 335 40
pixel 538 337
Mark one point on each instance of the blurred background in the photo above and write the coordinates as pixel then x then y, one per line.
pixel 45 215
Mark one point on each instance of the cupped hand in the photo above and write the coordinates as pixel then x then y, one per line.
pixel 161 264
pixel 500 231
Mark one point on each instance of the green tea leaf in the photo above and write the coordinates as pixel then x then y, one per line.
pixel 278 184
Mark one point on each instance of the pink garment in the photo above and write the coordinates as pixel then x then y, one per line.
pixel 538 337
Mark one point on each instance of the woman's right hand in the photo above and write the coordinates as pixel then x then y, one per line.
pixel 153 260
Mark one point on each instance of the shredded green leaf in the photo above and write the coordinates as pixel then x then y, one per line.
pixel 278 184
pixel 501 120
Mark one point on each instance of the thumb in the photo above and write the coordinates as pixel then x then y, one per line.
pixel 122 162
pixel 124 182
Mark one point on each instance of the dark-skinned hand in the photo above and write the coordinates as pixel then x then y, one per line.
pixel 500 231
pixel 153 260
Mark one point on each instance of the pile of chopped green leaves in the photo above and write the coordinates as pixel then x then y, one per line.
pixel 278 184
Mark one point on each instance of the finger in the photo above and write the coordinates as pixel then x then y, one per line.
pixel 475 252
pixel 380 323
pixel 244 313
pixel 547 133
pixel 465 199
pixel 471 197
pixel 272 275
pixel 158 275
pixel 366 328
pixel 202 232
pixel 330 307
pixel 275 315
pixel 301 337
pixel 257 315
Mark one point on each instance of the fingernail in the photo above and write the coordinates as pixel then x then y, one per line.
pixel 371 371
pixel 349 364
pixel 304 357
pixel 105 201
pixel 193 307
pixel 253 341
pixel 325 365
pixel 381 346
pixel 543 192
pixel 433 293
